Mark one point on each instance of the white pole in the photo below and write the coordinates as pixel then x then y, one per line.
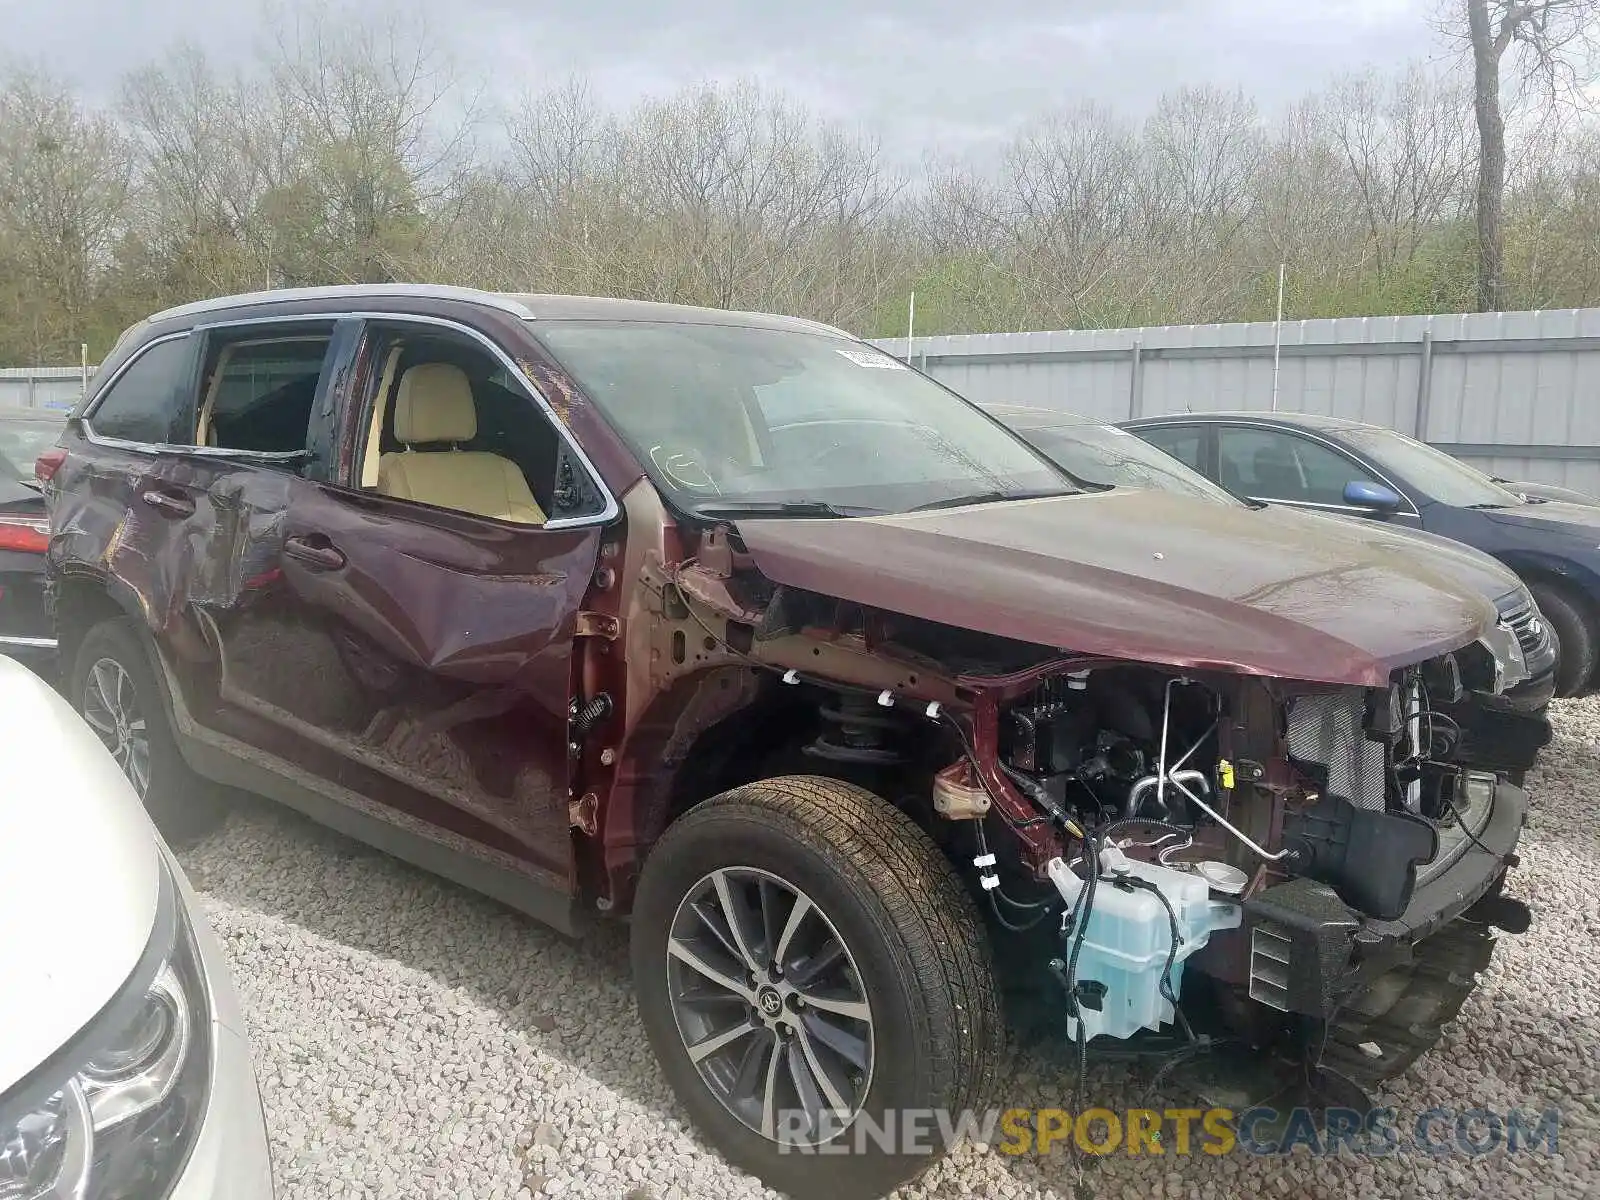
pixel 911 325
pixel 83 352
pixel 1277 337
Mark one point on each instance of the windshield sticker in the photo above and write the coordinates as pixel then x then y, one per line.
pixel 865 358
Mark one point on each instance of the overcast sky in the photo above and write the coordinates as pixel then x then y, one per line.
pixel 950 75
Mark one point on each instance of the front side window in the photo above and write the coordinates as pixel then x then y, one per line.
pixel 1271 465
pixel 1431 471
pixel 449 427
pixel 150 402
pixel 727 415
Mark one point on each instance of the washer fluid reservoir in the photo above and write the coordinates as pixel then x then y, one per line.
pixel 1129 933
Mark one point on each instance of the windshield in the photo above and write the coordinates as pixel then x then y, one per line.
pixel 727 415
pixel 1109 456
pixel 21 442
pixel 1432 472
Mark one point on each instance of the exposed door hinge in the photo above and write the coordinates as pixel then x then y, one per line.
pixel 583 813
pixel 598 625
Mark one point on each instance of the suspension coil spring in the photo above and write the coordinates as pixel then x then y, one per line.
pixel 855 734
pixel 591 714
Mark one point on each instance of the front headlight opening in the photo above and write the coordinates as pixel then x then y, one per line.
pixel 121 1127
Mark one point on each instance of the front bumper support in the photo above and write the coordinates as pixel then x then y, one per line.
pixel 1309 950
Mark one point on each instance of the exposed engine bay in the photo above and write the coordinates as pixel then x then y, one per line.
pixel 1252 832
pixel 1361 781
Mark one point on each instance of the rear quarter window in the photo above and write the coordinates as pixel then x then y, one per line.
pixel 150 400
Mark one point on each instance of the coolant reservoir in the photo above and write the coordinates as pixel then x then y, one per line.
pixel 1129 933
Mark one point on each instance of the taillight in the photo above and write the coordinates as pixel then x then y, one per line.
pixel 48 463
pixel 31 537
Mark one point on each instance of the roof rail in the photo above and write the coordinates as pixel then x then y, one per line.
pixel 352 291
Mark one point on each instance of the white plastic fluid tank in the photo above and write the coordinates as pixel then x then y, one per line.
pixel 1129 933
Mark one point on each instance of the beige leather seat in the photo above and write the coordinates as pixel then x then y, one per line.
pixel 433 405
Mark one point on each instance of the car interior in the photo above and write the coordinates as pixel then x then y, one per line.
pixel 448 431
pixel 1276 472
pixel 450 428
pixel 258 393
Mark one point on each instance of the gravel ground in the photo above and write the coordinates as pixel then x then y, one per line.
pixel 414 1040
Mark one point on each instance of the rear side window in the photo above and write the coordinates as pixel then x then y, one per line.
pixel 148 402
pixel 1182 443
pixel 260 398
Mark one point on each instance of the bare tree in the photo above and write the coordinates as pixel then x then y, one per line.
pixel 382 127
pixel 733 184
pixel 209 149
pixel 347 150
pixel 563 170
pixel 1054 224
pixel 63 181
pixel 1552 222
pixel 1203 149
pixel 1406 145
pixel 560 140
pixel 1554 43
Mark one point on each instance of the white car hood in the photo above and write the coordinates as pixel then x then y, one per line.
pixel 79 873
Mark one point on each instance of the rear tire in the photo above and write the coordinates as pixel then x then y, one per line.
pixel 113 687
pixel 912 961
pixel 1570 622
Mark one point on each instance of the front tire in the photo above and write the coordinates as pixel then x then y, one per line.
pixel 1575 639
pixel 114 689
pixel 800 949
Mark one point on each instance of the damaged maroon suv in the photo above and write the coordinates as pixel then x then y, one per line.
pixel 857 705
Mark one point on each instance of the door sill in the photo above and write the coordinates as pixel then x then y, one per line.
pixel 233 763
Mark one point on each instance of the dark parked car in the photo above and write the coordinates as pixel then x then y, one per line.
pixel 738 625
pixel 1110 456
pixel 25 629
pixel 1332 465
pixel 1546 491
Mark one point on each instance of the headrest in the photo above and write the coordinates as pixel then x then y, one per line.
pixel 434 405
pixel 1273 464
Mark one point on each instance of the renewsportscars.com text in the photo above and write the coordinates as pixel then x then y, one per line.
pixel 1378 1132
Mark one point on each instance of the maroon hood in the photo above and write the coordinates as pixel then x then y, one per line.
pixel 1145 576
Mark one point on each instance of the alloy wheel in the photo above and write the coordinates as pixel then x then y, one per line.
pixel 110 704
pixel 770 1005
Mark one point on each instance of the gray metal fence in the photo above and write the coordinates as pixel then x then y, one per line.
pixel 1516 394
pixel 40 387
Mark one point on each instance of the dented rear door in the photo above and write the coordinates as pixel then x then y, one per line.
pixel 129 505
pixel 201 536
pixel 418 658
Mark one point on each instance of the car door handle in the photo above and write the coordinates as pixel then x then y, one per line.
pixel 322 555
pixel 169 502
